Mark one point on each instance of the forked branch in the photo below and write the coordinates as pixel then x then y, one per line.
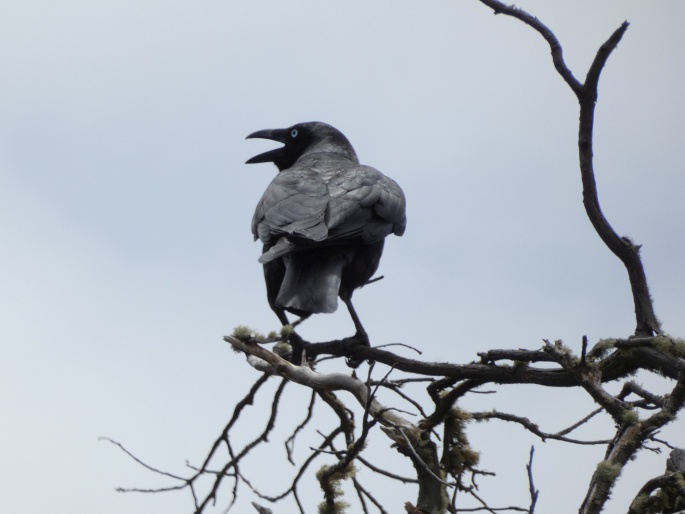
pixel 622 247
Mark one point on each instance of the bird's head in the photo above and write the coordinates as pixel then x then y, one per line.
pixel 301 139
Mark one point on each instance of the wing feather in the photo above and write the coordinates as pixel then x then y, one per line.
pixel 365 203
pixel 294 203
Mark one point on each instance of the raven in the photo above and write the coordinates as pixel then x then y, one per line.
pixel 322 220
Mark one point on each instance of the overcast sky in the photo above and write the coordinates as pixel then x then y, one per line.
pixel 126 207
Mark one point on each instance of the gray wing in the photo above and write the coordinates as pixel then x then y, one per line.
pixel 365 203
pixel 293 204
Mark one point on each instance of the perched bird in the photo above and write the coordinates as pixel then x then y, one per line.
pixel 323 221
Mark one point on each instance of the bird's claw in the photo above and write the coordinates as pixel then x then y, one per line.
pixel 359 339
pixel 298 345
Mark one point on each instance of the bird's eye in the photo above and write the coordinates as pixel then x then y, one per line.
pixel 293 133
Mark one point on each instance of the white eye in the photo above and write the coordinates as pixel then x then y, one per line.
pixel 293 133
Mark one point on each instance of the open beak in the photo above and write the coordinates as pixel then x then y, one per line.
pixel 271 155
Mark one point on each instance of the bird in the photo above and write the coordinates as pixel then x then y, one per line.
pixel 322 221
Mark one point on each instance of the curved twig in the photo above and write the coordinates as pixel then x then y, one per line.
pixel 622 247
pixel 531 427
pixel 554 45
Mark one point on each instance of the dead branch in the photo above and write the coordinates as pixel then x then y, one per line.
pixel 270 362
pixel 622 247
pixel 670 495
pixel 531 487
pixel 629 439
pixel 531 427
pixel 579 423
pixel 290 442
pixel 261 510
pixel 344 464
pixel 613 367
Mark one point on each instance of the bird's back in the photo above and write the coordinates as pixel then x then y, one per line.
pixel 325 198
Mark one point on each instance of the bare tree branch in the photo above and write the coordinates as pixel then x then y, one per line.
pixel 268 361
pixel 554 45
pixel 629 439
pixel 579 423
pixel 531 487
pixel 261 510
pixel 531 427
pixel 622 247
pixel 290 442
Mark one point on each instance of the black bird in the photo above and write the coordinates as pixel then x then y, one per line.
pixel 323 221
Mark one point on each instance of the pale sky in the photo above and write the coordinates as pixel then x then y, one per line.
pixel 126 209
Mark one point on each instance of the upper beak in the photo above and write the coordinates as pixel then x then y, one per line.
pixel 274 135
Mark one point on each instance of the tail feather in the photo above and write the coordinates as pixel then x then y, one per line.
pixel 312 282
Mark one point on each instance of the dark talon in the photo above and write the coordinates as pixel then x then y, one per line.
pixel 353 342
pixel 298 344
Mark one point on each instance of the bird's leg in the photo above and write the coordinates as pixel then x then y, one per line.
pixel 361 337
pixel 302 318
pixel 361 333
pixel 280 313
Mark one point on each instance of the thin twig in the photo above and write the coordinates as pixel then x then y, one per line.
pixel 531 427
pixel 531 487
pixel 290 442
pixel 579 423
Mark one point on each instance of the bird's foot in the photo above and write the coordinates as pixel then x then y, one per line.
pixel 359 339
pixel 298 346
